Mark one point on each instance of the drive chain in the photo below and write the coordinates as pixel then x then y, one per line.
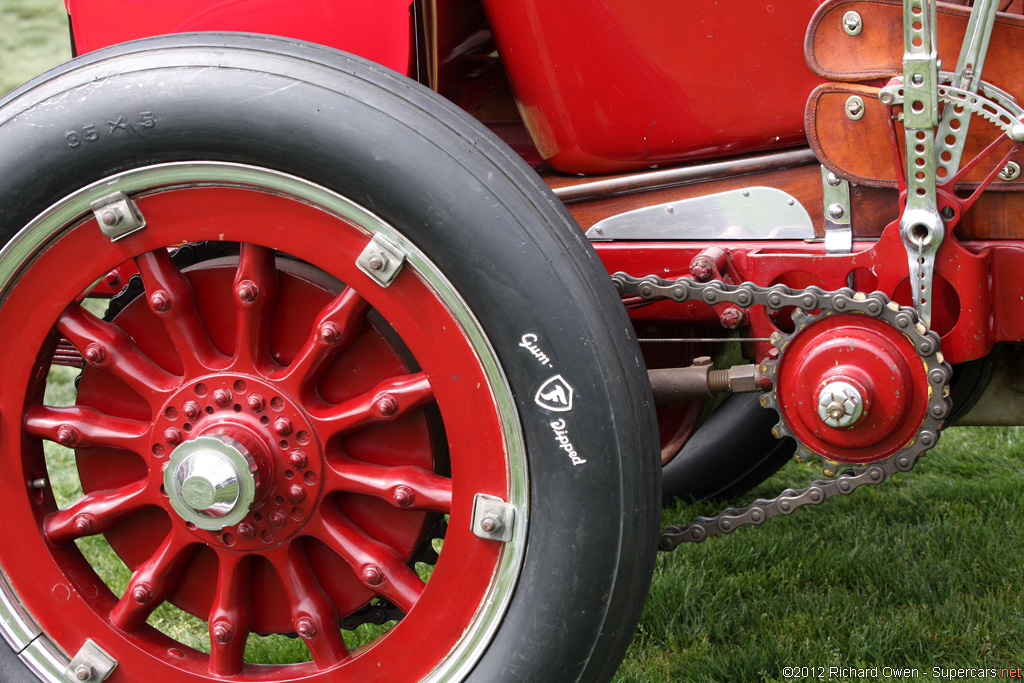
pixel 806 301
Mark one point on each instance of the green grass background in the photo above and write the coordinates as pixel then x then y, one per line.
pixel 921 572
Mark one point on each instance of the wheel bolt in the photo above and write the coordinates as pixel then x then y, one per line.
pixel 330 333
pixel 283 426
pixel 172 435
pixel 296 493
pixel 305 627
pixel 67 435
pixel 221 632
pixel 160 301
pixel 222 397
pixel 142 594
pixel 376 262
pixel 83 672
pixel 256 403
pixel 372 575
pixel 277 519
pixel 404 497
pixel 490 524
pixel 247 291
pixel 192 410
pixel 297 459
pixel 246 530
pixel 387 405
pixel 95 354
pixel 84 524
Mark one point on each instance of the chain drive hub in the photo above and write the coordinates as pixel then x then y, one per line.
pixel 845 301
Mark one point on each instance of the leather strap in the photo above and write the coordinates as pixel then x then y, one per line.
pixel 859 150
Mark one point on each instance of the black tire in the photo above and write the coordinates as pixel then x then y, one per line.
pixel 728 455
pixel 481 216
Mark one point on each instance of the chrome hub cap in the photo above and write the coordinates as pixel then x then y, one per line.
pixel 211 481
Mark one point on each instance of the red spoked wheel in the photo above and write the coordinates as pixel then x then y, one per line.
pixel 264 439
pixel 312 414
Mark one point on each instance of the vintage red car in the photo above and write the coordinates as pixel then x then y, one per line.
pixel 388 320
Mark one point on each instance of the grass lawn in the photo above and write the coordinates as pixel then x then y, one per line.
pixel 921 572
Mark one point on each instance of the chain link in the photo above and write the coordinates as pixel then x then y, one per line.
pixel 806 301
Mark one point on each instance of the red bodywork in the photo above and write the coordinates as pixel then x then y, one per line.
pixel 611 85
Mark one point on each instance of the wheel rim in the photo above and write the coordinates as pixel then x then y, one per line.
pixel 344 475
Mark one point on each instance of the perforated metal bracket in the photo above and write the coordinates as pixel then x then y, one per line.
pixel 838 227
pixel 381 260
pixel 117 215
pixel 493 518
pixel 92 664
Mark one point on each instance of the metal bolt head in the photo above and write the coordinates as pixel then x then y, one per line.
pixel 840 404
pixel 490 524
pixel 160 301
pixel 297 459
pixel 84 524
pixel 256 403
pixel 404 497
pixel 83 672
pixel 172 435
pixel 377 262
pixel 833 180
pixel 222 397
pixel 246 530
pixel 701 268
pixel 305 627
pixel 112 279
pixel 372 575
pixel 277 519
pixel 852 23
pixel 387 405
pixel 221 632
pixel 836 211
pixel 247 291
pixel 854 108
pixel 111 217
pixel 192 410
pixel 283 426
pixel 1010 172
pixel 731 318
pixel 142 594
pixel 95 354
pixel 296 493
pixel 67 435
pixel 330 333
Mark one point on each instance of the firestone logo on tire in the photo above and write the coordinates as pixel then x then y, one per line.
pixel 555 395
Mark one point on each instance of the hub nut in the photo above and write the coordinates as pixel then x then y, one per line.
pixel 840 404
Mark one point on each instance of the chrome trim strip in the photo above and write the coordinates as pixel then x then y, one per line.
pixel 647 181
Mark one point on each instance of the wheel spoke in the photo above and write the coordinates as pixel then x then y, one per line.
pixel 376 564
pixel 404 486
pixel 81 427
pixel 109 348
pixel 231 616
pixel 152 582
pixel 390 400
pixel 336 326
pixel 313 613
pixel 255 290
pixel 98 511
pixel 170 296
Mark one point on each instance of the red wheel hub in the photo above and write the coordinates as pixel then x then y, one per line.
pixel 878 366
pixel 352 402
